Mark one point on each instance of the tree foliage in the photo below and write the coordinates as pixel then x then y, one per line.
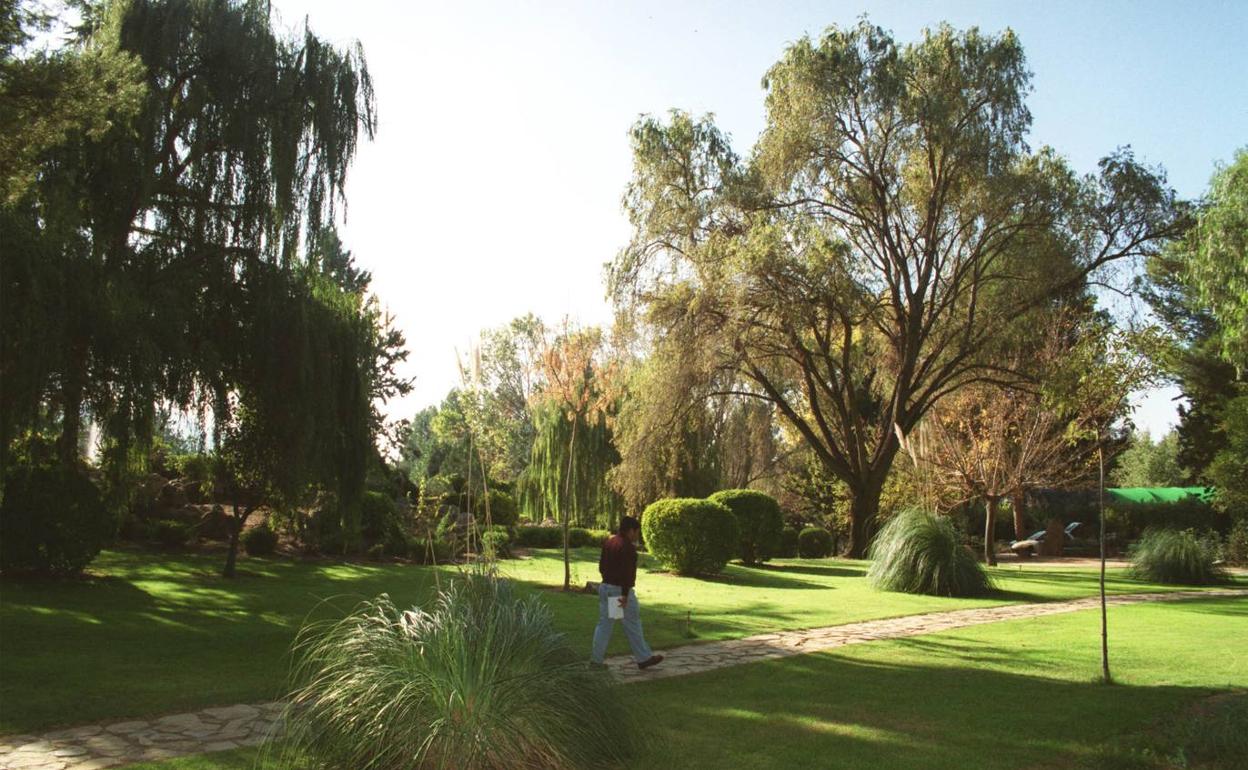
pixel 886 232
pixel 183 254
pixel 1149 463
pixel 1216 250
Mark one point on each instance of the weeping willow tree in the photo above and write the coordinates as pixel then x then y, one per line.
pixel 167 258
pixel 554 483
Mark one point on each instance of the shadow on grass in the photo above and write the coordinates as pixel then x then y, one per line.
pixel 813 569
pixel 828 710
pixel 761 577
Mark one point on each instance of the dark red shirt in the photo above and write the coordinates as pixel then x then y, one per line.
pixel 618 563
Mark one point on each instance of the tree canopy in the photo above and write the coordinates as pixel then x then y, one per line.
pixel 181 249
pixel 875 250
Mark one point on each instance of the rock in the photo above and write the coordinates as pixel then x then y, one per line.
pixel 69 751
pixel 241 711
pixel 172 496
pixel 179 722
pixel 100 763
pixel 75 733
pixel 214 524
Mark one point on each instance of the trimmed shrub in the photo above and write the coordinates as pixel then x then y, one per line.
pixel 760 524
pixel 481 677
pixel 52 519
pixel 814 543
pixel 260 541
pixel 690 536
pixel 788 542
pixel 580 537
pixel 172 534
pixel 922 553
pixel 552 537
pixel 1178 557
pixel 540 537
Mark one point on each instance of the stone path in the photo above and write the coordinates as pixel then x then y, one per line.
pixel 94 747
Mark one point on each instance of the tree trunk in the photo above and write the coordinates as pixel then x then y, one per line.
pixel 863 508
pixel 1054 538
pixel 991 503
pixel 236 529
pixel 71 407
pixel 1018 504
pixel 1100 458
pixel 567 513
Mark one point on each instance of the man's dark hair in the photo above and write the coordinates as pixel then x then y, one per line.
pixel 628 524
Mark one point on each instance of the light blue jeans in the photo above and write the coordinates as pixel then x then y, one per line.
pixel 631 621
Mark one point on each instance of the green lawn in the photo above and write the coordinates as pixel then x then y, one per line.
pixel 151 634
pixel 1007 695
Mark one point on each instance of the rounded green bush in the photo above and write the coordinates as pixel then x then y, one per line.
pixel 580 537
pixel 814 543
pixel 788 542
pixel 760 523
pixel 52 520
pixel 921 553
pixel 690 536
pixel 260 541
pixel 1172 556
pixel 540 537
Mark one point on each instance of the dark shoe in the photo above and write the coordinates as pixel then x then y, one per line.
pixel 594 666
pixel 653 660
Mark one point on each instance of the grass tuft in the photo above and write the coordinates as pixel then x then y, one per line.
pixel 920 553
pixel 478 679
pixel 1174 557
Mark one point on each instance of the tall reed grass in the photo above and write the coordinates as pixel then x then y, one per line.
pixel 479 680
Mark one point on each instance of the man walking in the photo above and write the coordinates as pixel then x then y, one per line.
pixel 618 567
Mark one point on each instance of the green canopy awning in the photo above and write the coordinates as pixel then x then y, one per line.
pixel 1157 494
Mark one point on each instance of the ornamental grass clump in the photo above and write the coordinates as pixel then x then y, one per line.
pixel 920 553
pixel 1172 556
pixel 479 679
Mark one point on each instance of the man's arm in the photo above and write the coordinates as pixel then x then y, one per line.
pixel 630 579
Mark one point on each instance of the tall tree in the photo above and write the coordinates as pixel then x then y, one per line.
pixel 180 273
pixel 889 226
pixel 1216 256
pixel 578 384
pixel 1149 463
pixel 1198 289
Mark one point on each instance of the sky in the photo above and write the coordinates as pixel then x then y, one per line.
pixel 493 186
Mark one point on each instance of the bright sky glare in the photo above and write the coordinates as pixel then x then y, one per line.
pixel 493 187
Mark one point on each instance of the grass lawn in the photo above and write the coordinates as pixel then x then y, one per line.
pixel 152 634
pixel 1007 695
